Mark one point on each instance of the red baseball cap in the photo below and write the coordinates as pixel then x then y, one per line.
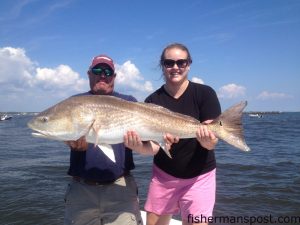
pixel 103 59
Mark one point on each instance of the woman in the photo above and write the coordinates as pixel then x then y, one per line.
pixel 186 182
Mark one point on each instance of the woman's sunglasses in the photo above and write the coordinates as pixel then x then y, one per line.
pixel 99 71
pixel 181 63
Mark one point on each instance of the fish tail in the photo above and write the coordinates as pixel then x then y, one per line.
pixel 228 126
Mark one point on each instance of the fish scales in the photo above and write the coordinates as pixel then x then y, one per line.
pixel 105 119
pixel 146 116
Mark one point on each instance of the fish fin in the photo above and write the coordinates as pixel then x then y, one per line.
pixel 108 151
pixel 96 129
pixel 163 146
pixel 228 126
pixel 85 130
pixel 97 139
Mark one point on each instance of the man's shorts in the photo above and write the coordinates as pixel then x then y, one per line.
pixel 169 195
pixel 113 204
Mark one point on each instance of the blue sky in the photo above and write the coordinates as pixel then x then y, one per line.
pixel 246 50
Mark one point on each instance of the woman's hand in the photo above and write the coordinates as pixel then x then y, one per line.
pixel 169 140
pixel 133 141
pixel 206 137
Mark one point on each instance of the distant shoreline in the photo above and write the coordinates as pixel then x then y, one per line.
pixel 263 112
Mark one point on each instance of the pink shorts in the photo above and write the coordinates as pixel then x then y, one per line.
pixel 170 195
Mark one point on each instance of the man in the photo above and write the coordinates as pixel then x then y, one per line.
pixel 102 190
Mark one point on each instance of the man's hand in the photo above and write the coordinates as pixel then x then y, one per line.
pixel 79 145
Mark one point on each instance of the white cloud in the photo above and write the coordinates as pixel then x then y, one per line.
pixel 197 80
pixel 59 78
pixel 26 86
pixel 129 76
pixel 18 71
pixel 15 67
pixel 265 95
pixel 231 91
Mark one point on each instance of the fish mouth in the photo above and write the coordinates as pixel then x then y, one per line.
pixel 46 136
pixel 38 133
pixel 35 134
pixel 42 135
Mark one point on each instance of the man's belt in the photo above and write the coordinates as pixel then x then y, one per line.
pixel 93 182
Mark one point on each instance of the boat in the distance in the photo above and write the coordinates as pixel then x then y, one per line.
pixel 5 117
pixel 255 115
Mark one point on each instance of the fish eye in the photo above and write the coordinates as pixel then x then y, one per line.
pixel 44 119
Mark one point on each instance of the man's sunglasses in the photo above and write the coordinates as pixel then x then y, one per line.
pixel 99 71
pixel 181 63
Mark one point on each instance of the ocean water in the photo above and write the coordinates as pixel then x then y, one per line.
pixel 260 183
